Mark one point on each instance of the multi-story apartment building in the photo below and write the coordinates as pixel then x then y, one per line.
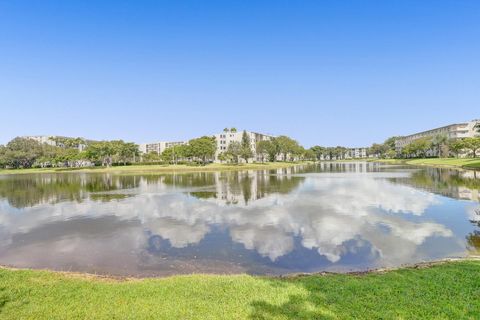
pixel 52 141
pixel 159 147
pixel 228 136
pixel 452 131
pixel 356 153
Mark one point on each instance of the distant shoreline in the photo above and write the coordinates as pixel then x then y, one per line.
pixel 454 163
pixel 153 169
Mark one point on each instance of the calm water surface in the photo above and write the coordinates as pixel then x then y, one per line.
pixel 325 217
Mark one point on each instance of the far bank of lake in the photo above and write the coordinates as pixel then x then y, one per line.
pixel 461 163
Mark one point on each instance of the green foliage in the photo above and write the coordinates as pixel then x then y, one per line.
pixel 234 151
pixel 203 148
pixel 443 291
pixel 246 148
pixel 66 142
pixel 109 152
pixel 309 154
pixel 472 144
pixel 385 149
pixel 175 153
pixel 318 151
pixel 378 150
pixel 287 146
pixel 418 147
pixel 151 157
pixel 456 146
pixel 269 147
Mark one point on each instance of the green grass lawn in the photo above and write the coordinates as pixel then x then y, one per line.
pixel 140 169
pixel 449 162
pixel 444 291
pixel 466 163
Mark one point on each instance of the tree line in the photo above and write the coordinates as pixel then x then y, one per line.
pixel 68 152
pixel 436 146
pixel 200 150
pixel 440 146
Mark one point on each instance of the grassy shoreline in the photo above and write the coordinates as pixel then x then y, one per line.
pixel 159 168
pixel 460 163
pixel 443 290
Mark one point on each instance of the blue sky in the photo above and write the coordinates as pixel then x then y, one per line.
pixel 324 72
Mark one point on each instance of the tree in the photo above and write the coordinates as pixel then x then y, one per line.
pixel 340 152
pixel 246 152
pixel 233 129
pixel 309 154
pixel 389 144
pixel 391 154
pixel 318 151
pixel 473 144
pixel 456 146
pixel 73 143
pixel 438 141
pixel 378 150
pixel 151 157
pixel 223 156
pixel 269 147
pixel 22 153
pixel 127 152
pixel 420 146
pixel 286 146
pixel 168 155
pixel 3 150
pixel 234 150
pixel 203 148
pixel 102 151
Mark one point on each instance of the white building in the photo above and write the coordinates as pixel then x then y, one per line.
pixel 228 136
pixel 51 141
pixel 42 139
pixel 159 147
pixel 452 131
pixel 356 153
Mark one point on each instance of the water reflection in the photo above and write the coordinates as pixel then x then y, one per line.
pixel 309 218
pixel 456 184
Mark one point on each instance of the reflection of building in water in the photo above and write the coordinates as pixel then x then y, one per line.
pixel 447 182
pixel 237 188
pixel 242 187
pixel 468 194
pixel 353 167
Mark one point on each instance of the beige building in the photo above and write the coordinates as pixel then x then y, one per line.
pixel 453 131
pixel 50 140
pixel 228 136
pixel 158 147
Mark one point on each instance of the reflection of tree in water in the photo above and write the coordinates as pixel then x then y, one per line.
pixel 29 190
pixel 473 239
pixel 188 180
pixel 451 183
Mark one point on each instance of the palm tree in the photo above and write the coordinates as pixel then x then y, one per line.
pixel 438 141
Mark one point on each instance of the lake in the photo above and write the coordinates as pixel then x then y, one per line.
pixel 309 218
